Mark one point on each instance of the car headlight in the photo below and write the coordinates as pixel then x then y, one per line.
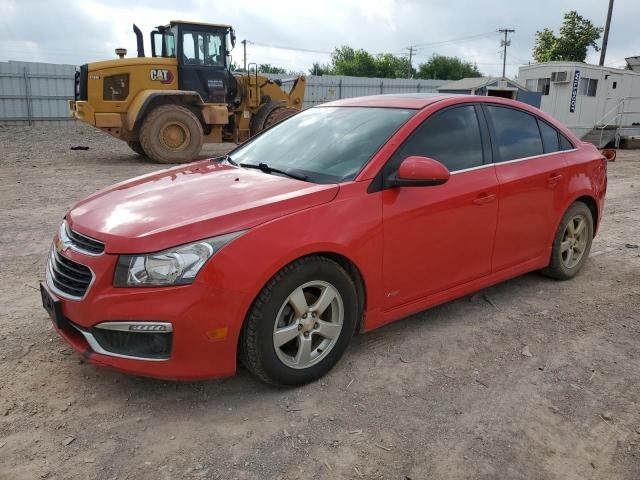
pixel 175 266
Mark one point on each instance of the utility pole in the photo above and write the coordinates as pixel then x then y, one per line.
pixel 505 43
pixel 411 49
pixel 244 46
pixel 605 37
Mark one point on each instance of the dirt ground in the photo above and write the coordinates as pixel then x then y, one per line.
pixel 529 379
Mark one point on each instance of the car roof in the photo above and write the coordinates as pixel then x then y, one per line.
pixel 395 100
pixel 419 101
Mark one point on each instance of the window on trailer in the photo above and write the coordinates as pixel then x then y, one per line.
pixel 541 85
pixel 588 87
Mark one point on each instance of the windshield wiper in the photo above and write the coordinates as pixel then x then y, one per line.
pixel 268 169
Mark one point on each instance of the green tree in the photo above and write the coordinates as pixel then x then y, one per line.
pixel 268 68
pixel 441 67
pixel 391 66
pixel 236 67
pixel 348 61
pixel 321 69
pixel 577 34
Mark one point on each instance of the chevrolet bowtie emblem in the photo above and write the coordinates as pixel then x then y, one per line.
pixel 60 246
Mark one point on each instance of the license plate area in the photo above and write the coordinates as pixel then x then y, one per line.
pixel 54 308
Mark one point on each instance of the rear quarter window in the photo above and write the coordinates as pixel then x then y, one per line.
pixel 565 144
pixel 550 137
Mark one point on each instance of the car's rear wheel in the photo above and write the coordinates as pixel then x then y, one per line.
pixel 301 322
pixel 572 243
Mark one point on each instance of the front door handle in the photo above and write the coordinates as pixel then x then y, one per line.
pixel 553 179
pixel 484 198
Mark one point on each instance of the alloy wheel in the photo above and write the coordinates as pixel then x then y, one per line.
pixel 308 324
pixel 574 241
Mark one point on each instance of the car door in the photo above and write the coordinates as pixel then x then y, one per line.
pixel 532 173
pixel 441 236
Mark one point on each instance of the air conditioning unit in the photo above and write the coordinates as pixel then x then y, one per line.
pixel 559 77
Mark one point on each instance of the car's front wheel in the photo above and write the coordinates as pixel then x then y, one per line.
pixel 572 243
pixel 301 322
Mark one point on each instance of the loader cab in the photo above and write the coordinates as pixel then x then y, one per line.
pixel 202 52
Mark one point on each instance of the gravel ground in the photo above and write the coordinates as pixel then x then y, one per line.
pixel 527 379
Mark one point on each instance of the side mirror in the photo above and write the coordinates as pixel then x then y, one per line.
pixel 419 172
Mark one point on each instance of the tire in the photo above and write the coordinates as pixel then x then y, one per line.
pixel 171 134
pixel 259 119
pixel 136 147
pixel 563 264
pixel 273 312
pixel 278 115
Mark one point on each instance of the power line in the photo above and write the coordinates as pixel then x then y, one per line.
pixel 454 40
pixel 519 59
pixel 414 47
pixel 281 47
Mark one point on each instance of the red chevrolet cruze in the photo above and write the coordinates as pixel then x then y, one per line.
pixel 341 219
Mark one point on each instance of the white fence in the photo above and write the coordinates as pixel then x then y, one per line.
pixel 38 92
pixel 35 92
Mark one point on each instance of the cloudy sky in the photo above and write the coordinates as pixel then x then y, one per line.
pixel 80 31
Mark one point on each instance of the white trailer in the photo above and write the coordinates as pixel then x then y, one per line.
pixel 599 104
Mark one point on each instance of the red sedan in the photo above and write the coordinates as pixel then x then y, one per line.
pixel 341 219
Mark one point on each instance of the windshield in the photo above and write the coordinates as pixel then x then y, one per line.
pixel 325 144
pixel 203 48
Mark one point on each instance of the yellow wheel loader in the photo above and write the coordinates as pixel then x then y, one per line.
pixel 165 106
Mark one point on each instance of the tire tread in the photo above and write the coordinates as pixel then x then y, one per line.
pixel 148 141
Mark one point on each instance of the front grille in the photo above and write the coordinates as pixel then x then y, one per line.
pixel 83 243
pixel 68 277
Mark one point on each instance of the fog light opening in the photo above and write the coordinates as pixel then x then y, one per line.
pixel 136 340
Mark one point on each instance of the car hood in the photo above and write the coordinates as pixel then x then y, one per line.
pixel 189 203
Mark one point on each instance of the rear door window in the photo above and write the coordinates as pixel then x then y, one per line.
pixel 452 137
pixel 516 134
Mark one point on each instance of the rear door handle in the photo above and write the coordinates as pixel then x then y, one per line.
pixel 553 179
pixel 484 198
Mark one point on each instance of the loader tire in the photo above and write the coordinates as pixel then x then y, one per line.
pixel 260 119
pixel 136 147
pixel 278 115
pixel 171 134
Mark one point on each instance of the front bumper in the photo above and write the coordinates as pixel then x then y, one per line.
pixel 205 322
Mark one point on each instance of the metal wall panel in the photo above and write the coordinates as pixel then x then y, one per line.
pixel 35 92
pixel 327 88
pixel 38 92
